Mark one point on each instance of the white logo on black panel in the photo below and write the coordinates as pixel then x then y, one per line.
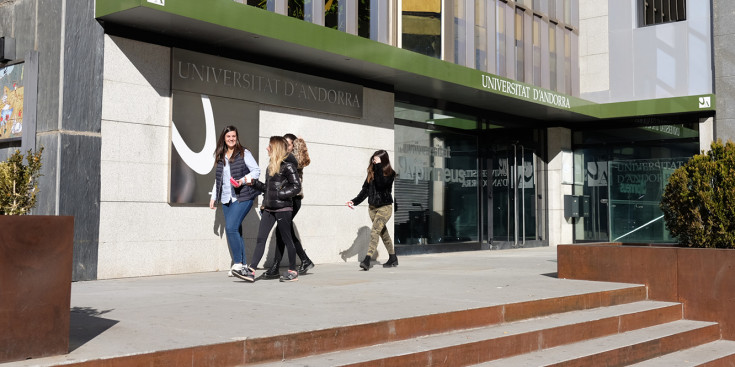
pixel 200 162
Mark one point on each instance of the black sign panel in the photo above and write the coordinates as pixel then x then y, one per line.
pixel 198 119
pixel 217 76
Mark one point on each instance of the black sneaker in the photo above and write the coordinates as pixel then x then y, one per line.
pixel 305 266
pixel 291 276
pixel 244 274
pixel 272 272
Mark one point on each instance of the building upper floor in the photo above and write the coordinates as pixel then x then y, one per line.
pixel 516 58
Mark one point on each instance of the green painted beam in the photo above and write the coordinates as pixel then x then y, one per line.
pixel 106 7
pixel 659 106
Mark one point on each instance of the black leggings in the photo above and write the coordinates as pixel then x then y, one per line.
pixel 284 228
pixel 296 241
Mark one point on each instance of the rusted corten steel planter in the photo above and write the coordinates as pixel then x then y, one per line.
pixel 35 285
pixel 702 279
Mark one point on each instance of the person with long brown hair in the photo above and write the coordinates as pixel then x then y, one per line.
pixel 298 156
pixel 234 164
pixel 377 189
pixel 281 185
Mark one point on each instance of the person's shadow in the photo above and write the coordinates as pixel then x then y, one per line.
pixel 359 245
pixel 219 222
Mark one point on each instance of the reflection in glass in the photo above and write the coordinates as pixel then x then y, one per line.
pixel 480 35
pixel 363 18
pixel 536 51
pixel 331 14
pixel 460 32
pixel 421 23
pixel 636 187
pixel 436 186
pixel 500 40
pixel 296 9
pixel 621 175
pixel 258 3
pixel 513 181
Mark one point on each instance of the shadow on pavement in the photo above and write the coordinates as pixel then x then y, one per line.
pixel 85 324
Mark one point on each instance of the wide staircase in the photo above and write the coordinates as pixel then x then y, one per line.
pixel 610 328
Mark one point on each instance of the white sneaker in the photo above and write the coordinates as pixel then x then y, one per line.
pixel 235 267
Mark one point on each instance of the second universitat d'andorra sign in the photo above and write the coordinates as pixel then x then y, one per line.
pixel 516 89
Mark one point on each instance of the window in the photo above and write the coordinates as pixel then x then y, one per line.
pixel 421 27
pixel 568 61
pixel 552 57
pixel 257 3
pixel 480 35
pixel 363 18
pixel 661 11
pixel 296 9
pixel 520 74
pixel 536 51
pixel 500 40
pixel 460 33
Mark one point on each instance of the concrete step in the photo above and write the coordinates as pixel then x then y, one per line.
pixel 302 344
pixel 621 349
pixel 720 353
pixel 477 345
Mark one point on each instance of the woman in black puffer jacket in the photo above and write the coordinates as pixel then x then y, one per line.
pixel 377 189
pixel 281 185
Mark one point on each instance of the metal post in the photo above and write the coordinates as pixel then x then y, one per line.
pixel 523 194
pixel 515 196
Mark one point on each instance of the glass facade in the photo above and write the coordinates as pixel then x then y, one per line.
pixel 620 174
pixel 465 181
pixel 500 37
pixel 436 183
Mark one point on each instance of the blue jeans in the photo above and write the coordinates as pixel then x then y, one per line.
pixel 235 213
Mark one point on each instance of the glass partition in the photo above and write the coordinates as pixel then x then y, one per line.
pixel 620 175
pixel 636 188
pixel 436 186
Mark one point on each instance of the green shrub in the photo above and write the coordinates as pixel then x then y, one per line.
pixel 19 183
pixel 699 199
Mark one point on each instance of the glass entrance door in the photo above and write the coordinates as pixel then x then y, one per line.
pixel 512 196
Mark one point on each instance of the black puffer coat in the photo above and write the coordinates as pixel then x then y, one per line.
pixel 280 188
pixel 377 191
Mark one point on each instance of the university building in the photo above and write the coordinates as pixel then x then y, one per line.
pixel 510 123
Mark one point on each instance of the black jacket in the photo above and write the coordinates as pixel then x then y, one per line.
pixel 377 191
pixel 280 188
pixel 291 159
pixel 238 169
